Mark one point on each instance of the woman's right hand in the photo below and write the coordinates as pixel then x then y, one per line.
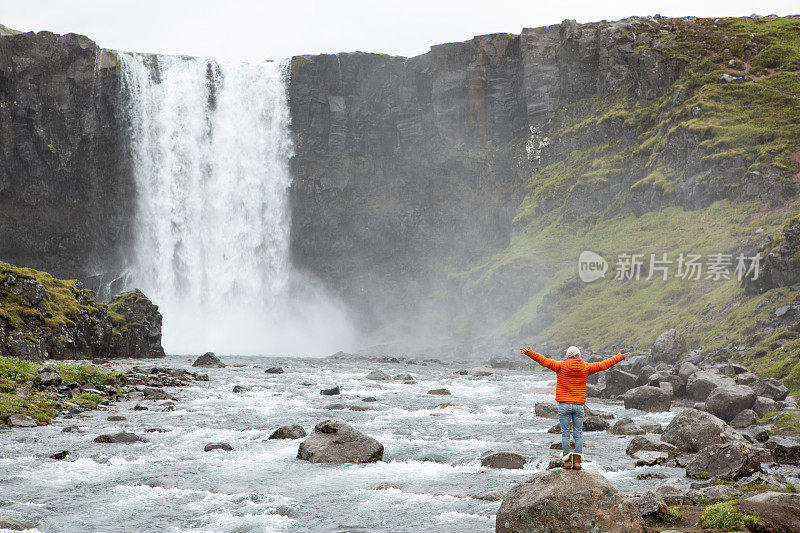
pixel 625 355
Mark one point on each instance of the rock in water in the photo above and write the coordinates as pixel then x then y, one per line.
pixel 274 370
pixel 21 421
pixel 121 437
pixel 224 446
pixel 288 432
pixel 209 359
pixel 439 392
pixel 647 398
pixel 378 375
pixel 333 391
pixel 504 460
pixel 560 500
pixel 668 347
pixel 336 442
pixel 731 461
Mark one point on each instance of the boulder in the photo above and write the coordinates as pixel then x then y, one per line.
pixel 333 391
pixel 730 461
pixel 14 525
pixel 650 444
pixel 746 379
pixel 646 458
pixel 647 398
pixel 702 383
pixel 786 450
pixel 668 347
pixel 116 418
pixel 403 377
pixel 274 370
pixel 288 432
pixel 686 370
pixel 546 410
pixel 560 500
pixel 21 421
pixel 744 419
pixel 336 442
pixel 239 389
pixel 439 392
pixel 772 518
pixel 626 426
pixel 378 375
pixel 48 379
pixel 618 382
pixel 210 360
pixel 122 437
pixel 480 371
pixel 504 460
pixel 224 446
pixel 789 499
pixel 719 492
pixel 59 456
pixel 762 406
pixel 756 434
pixel 651 427
pixel 692 430
pixel 770 388
pixel 727 402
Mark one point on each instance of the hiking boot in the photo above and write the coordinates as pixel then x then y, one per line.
pixel 567 461
pixel 576 461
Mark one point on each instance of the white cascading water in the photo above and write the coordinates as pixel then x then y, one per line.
pixel 211 149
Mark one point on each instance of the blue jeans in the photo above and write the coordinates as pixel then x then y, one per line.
pixel 571 413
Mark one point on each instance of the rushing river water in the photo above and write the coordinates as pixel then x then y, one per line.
pixel 430 478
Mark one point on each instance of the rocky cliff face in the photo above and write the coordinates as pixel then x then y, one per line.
pixel 66 193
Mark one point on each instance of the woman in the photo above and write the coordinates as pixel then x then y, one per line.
pixel 571 376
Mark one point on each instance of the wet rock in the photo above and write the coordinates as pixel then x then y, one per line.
pixel 154 394
pixel 360 408
pixel 122 437
pixel 378 375
pixel 439 392
pixel 240 389
pixel 744 419
pixel 647 398
pixel 333 391
pixel 140 407
pixel 773 518
pixel 650 458
pixel 730 461
pixel 648 504
pixel 727 402
pixel 336 442
pixel 561 500
pixel 504 460
pixel 650 444
pixel 770 388
pixel 546 410
pixel 702 383
pixel 403 377
pixel 789 499
pixel 116 418
pixel 224 446
pixel 14 525
pixel 201 377
pixel 335 406
pixel 651 427
pixel 626 426
pixel 274 370
pixel 692 430
pixel 618 382
pixel 668 347
pixel 369 399
pixel 210 360
pixel 786 450
pixel 762 406
pixel 480 371
pixel 60 456
pixel 288 432
pixel 21 421
pixel 156 430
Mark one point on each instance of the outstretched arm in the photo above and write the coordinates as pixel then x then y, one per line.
pixel 607 363
pixel 542 360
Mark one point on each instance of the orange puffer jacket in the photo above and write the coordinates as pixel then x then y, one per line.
pixel 572 374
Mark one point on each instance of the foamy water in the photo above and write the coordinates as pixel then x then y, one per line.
pixel 429 480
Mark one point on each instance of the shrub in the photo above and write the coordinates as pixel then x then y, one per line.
pixel 724 516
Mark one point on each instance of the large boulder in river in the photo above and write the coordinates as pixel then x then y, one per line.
pixel 567 500
pixel 641 443
pixel 209 359
pixel 668 347
pixel 288 432
pixel 336 442
pixel 618 382
pixel 692 430
pixel 379 375
pixel 731 461
pixel 647 398
pixel 702 383
pixel 727 402
pixel 504 460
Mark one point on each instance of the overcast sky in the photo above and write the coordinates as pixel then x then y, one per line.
pixel 253 30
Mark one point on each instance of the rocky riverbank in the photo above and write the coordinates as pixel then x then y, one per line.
pixel 42 317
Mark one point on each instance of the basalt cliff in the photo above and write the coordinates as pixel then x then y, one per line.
pixel 450 194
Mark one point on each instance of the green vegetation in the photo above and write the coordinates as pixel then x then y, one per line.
pixel 725 517
pixel 702 475
pixel 665 516
pixel 19 394
pixel 785 422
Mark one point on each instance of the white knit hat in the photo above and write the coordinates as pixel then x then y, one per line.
pixel 573 351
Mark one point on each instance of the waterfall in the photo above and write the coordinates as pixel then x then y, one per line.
pixel 210 149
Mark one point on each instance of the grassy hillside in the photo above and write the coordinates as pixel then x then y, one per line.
pixel 702 169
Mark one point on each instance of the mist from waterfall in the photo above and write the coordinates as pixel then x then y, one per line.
pixel 210 149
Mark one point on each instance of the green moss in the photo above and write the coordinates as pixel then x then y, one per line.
pixel 87 399
pixel 724 516
pixel 38 407
pixel 785 423
pixel 89 374
pixel 665 516
pixel 702 475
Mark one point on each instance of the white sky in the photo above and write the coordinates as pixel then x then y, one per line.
pixel 253 30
